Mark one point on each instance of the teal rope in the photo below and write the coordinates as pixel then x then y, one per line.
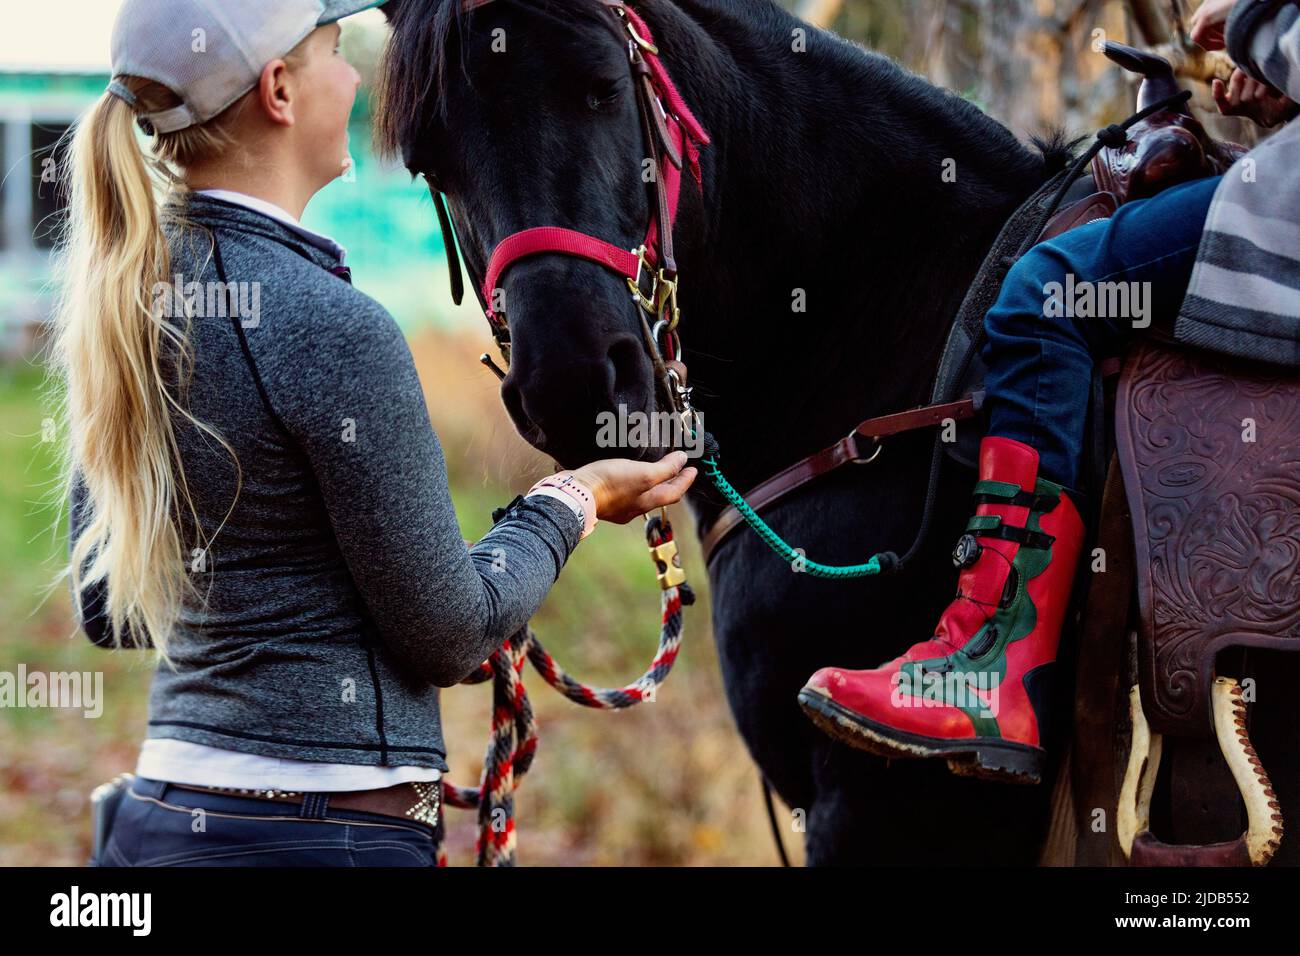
pixel 773 540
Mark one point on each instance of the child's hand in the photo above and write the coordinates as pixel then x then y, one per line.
pixel 1209 21
pixel 1244 96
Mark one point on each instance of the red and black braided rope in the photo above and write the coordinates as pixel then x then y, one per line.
pixel 512 743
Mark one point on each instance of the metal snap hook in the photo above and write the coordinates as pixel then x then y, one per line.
pixel 666 300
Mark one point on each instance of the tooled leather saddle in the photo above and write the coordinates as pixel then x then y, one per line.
pixel 1209 448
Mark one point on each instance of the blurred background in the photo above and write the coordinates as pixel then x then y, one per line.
pixel 668 783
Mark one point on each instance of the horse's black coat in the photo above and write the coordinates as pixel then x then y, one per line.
pixel 825 184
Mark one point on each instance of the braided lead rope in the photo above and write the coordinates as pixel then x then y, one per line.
pixel 881 563
pixel 611 698
pixel 794 558
pixel 512 742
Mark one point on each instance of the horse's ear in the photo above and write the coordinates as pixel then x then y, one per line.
pixel 389 9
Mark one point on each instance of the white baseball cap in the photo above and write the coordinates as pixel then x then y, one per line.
pixel 210 52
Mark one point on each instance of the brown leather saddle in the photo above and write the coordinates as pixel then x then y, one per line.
pixel 1209 449
pixel 1169 147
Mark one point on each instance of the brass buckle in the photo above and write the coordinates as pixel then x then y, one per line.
pixel 643 265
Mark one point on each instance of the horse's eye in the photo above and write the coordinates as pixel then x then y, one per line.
pixel 603 94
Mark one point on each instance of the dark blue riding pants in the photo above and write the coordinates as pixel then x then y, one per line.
pixel 162 824
pixel 1076 300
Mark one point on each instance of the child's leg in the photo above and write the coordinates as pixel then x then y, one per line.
pixel 1040 367
pixel 975 692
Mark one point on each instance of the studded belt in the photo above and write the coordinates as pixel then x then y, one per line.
pixel 408 801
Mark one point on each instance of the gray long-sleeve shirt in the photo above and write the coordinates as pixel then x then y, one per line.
pixel 340 592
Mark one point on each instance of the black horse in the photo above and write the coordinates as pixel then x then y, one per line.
pixel 846 207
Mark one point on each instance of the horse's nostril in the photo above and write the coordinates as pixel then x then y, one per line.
pixel 624 364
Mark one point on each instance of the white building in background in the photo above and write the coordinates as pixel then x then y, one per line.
pixel 54 62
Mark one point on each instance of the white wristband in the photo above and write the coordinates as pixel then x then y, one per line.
pixel 574 493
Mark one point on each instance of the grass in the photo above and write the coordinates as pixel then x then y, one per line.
pixel 667 783
pixel 28 453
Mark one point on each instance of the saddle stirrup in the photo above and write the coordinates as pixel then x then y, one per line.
pixel 1264 817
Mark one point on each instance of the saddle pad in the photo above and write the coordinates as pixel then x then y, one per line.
pixel 1210 451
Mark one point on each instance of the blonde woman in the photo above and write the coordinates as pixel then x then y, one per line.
pixel 256 491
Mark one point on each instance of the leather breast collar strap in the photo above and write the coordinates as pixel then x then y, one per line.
pixel 673 134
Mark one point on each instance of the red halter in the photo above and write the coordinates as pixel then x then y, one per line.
pixel 680 136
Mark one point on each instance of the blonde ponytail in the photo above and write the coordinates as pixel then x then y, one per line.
pixel 121 363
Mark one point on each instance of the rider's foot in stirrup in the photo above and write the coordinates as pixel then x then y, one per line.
pixel 975 693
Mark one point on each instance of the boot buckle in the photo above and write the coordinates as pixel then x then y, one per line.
pixel 967 551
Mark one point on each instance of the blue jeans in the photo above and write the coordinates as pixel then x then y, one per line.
pixel 1040 367
pixel 160 824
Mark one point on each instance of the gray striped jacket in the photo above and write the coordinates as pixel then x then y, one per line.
pixel 1244 296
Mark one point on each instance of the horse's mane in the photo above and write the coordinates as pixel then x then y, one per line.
pixel 413 70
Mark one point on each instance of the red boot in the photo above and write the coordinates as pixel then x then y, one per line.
pixel 974 693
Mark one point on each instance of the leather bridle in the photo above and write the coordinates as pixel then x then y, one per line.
pixel 675 138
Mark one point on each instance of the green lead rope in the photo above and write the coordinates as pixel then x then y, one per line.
pixel 878 564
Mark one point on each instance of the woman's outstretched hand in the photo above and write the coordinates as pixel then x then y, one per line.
pixel 626 489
